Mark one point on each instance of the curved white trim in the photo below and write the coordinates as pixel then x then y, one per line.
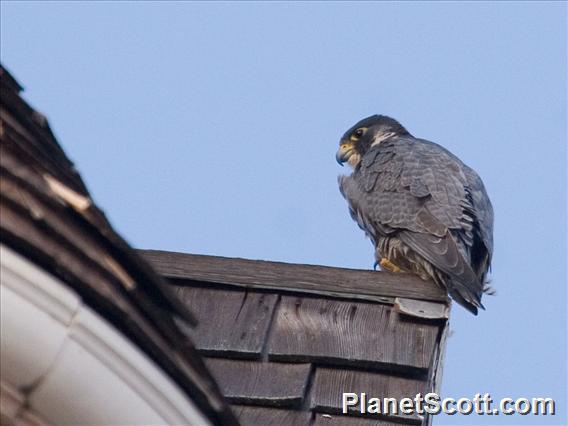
pixel 74 366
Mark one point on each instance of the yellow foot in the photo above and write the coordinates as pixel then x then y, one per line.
pixel 387 265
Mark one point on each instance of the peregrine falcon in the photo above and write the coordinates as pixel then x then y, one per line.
pixel 424 210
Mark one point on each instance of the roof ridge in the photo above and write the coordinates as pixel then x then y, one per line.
pixel 328 281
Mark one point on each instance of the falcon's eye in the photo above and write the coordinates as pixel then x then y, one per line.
pixel 358 133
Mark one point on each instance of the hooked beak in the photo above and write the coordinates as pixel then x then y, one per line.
pixel 344 152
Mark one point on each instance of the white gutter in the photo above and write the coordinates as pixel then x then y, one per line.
pixel 70 365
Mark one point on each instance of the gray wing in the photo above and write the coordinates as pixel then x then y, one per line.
pixel 419 191
pixel 483 209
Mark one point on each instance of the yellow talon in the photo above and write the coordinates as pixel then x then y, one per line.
pixel 388 265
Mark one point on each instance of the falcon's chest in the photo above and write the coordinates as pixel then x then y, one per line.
pixel 358 208
pixel 370 186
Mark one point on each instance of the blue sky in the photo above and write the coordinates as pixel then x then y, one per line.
pixel 212 128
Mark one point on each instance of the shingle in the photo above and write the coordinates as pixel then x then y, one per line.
pixel 330 384
pixel 333 420
pixel 230 322
pixel 351 333
pixel 251 382
pixel 257 416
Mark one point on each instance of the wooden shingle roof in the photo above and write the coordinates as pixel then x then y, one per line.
pixel 49 217
pixel 284 340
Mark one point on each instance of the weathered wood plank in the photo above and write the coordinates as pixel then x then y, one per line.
pixel 349 283
pixel 230 322
pixel 436 372
pixel 350 333
pixel 250 382
pixel 329 385
pixel 257 416
pixel 344 420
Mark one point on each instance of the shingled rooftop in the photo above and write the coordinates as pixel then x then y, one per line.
pixel 279 342
pixel 284 341
pixel 74 292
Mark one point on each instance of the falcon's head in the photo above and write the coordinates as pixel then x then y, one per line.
pixel 368 132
